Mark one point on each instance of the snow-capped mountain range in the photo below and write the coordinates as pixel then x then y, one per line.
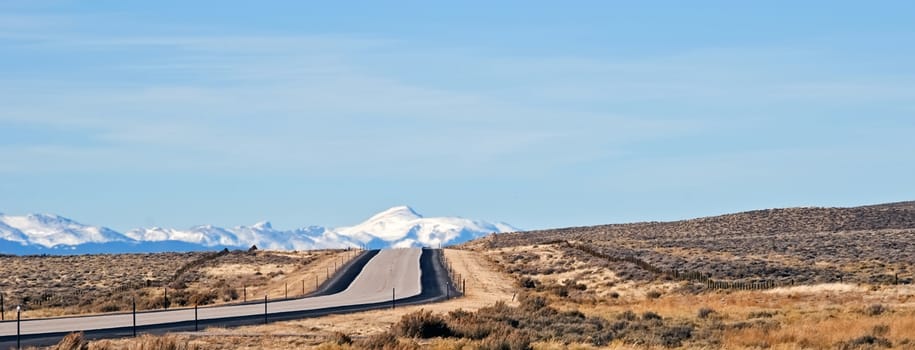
pixel 396 227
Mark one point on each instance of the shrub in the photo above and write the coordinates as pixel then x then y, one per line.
pixel 228 293
pixel 475 329
pixel 532 303
pixel 880 330
pixel 672 337
pixel 760 314
pixel 384 340
pixel 73 341
pixel 653 294
pixel 865 342
pixel 650 315
pixel 527 282
pixel 705 312
pixel 561 291
pixel 109 307
pixel 468 325
pixel 167 342
pixel 202 297
pixel 341 338
pixel 575 314
pixel 512 340
pixel 627 315
pixel 875 310
pixel 422 324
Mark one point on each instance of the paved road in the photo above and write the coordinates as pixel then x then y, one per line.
pixel 390 273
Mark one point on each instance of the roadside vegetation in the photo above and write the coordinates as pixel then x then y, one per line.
pixel 69 285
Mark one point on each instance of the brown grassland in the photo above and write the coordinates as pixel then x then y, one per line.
pixel 48 286
pixel 803 278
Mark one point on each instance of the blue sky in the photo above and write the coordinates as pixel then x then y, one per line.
pixel 540 114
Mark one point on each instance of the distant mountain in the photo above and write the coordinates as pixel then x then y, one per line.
pixel 53 230
pixel 403 227
pixel 396 227
pixel 261 234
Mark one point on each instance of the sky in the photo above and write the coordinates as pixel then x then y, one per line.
pixel 540 114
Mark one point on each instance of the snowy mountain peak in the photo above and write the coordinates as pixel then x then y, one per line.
pixel 48 219
pixel 263 225
pixel 402 212
pixel 51 230
pixel 399 226
pixel 403 227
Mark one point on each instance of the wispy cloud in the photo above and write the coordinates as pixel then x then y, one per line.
pixel 289 102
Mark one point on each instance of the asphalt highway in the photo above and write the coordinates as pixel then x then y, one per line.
pixel 376 279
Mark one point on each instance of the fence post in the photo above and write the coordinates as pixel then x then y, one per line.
pixel 2 309
pixel 393 299
pixel 134 317
pixel 195 319
pixel 245 291
pixel 265 308
pixel 18 333
pixel 165 300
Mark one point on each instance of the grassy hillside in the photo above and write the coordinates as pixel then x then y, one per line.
pixel 872 244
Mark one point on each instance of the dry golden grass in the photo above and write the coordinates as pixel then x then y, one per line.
pixel 826 331
pixel 146 342
pixel 820 316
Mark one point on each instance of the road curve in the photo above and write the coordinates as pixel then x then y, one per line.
pixel 401 276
